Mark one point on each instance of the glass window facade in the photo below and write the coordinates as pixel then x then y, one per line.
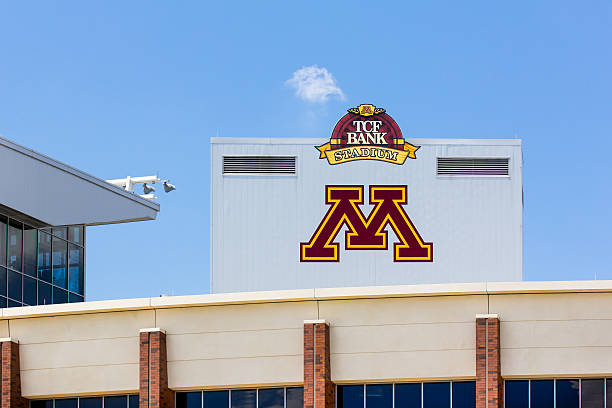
pixel 558 393
pixel 41 266
pixel 113 401
pixel 289 397
pixel 456 394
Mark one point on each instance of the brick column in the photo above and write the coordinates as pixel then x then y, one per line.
pixel 489 383
pixel 318 387
pixel 154 391
pixel 11 376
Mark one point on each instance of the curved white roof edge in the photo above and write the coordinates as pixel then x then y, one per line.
pixel 58 194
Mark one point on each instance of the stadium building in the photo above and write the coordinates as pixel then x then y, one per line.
pixel 362 271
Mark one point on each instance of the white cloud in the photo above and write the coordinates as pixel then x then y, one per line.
pixel 314 84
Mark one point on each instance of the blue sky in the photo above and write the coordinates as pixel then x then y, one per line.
pixel 134 88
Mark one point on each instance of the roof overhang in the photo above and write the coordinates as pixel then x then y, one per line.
pixel 57 194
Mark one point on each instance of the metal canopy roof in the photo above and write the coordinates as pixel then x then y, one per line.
pixel 57 194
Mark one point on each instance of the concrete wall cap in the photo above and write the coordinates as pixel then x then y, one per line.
pixel 4 339
pixel 488 316
pixel 314 321
pixel 152 329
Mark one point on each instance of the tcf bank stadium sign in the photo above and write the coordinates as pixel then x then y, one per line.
pixel 367 133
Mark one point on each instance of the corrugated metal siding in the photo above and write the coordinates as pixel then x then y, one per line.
pixel 475 223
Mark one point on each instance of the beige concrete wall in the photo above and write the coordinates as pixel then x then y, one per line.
pixel 80 354
pixel 403 338
pixel 235 345
pixel 550 335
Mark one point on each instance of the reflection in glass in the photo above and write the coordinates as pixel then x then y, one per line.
pixel 66 403
pixel 15 238
pixel 189 400
pixel 464 394
pixel 75 234
pixel 44 257
pixel 60 255
pixel 567 393
pixel 542 395
pixel 115 401
pixel 295 397
pixel 14 285
pixel 271 398
pixel 216 399
pixel 3 230
pixel 592 394
pixel 75 269
pixel 350 396
pixel 44 293
pixel 60 232
pixel 408 395
pixel 379 396
pixel 436 395
pixel 30 237
pixel 133 401
pixel 93 402
pixel 59 295
pixel 2 282
pixel 29 291
pixel 244 399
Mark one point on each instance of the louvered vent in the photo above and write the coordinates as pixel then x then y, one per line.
pixel 264 165
pixel 464 166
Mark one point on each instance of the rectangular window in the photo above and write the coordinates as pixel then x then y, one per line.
pixel 464 394
pixel 15 240
pixel 41 404
pixel 295 397
pixel 44 293
pixel 60 261
pixel 133 401
pixel 30 239
pixel 271 398
pixel 29 291
pixel 93 402
pixel 2 281
pixel 567 393
pixel 72 298
pixel 244 399
pixel 66 403
pixel 592 394
pixel 542 394
pixel 216 399
pixel 60 232
pixel 119 401
pixel 3 233
pixel 189 400
pixel 14 285
pixel 75 269
pixel 350 396
pixel 379 396
pixel 408 395
pixel 75 234
pixel 436 395
pixel 59 295
pixel 44 257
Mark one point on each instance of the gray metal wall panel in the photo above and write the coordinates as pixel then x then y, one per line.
pixel 258 222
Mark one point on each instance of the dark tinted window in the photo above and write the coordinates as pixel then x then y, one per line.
pixel 41 404
pixel 244 398
pixel 2 282
pixel 271 398
pixel 94 402
pixel 60 263
pixel 133 401
pixel 542 395
pixel 15 237
pixel 29 291
pixel 44 293
pixel 189 400
pixel 216 399
pixel 59 295
pixel 3 301
pixel 72 298
pixel 567 393
pixel 592 394
pixel 115 402
pixel 464 394
pixel 44 256
pixel 408 395
pixel 30 238
pixel 379 396
pixel 350 396
pixel 295 397
pixel 3 232
pixel 436 395
pixel 12 303
pixel 75 268
pixel 14 285
pixel 75 234
pixel 66 403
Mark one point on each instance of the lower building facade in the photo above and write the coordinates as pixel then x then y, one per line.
pixel 520 344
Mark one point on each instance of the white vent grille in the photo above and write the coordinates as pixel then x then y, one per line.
pixel 260 165
pixel 471 166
